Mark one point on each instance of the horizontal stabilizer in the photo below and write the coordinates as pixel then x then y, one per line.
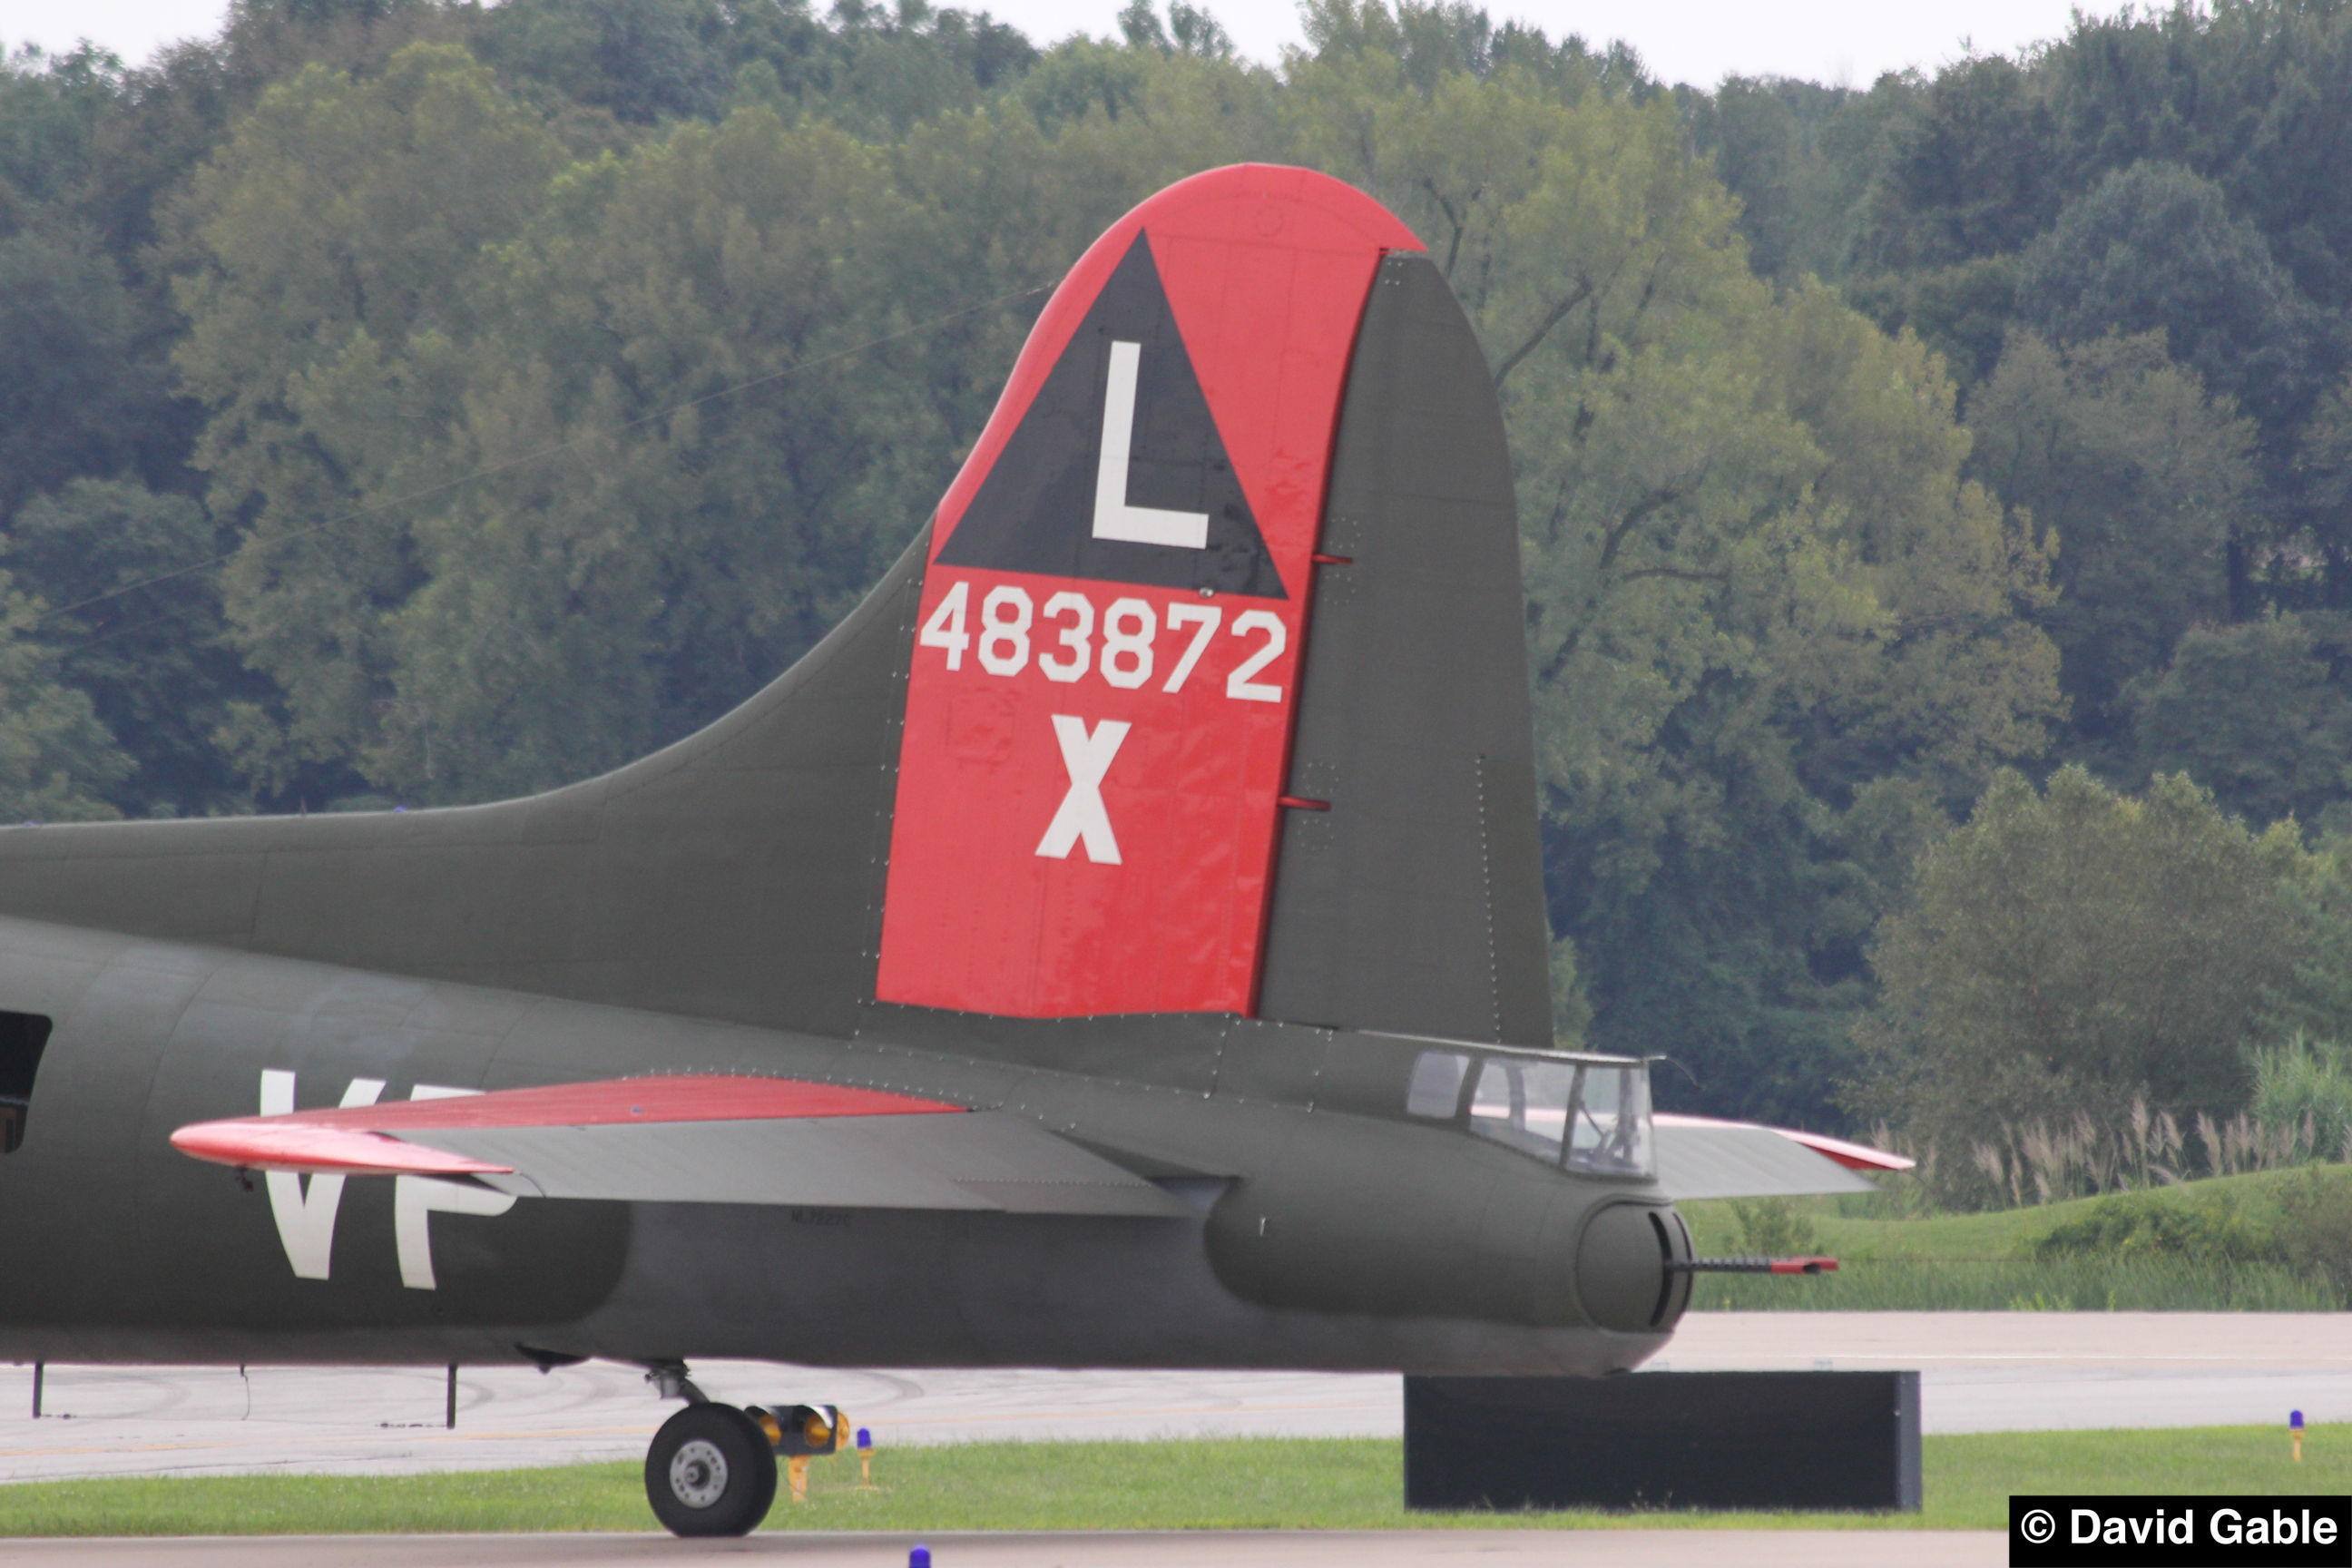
pixel 988 1160
pixel 698 1138
pixel 1699 1157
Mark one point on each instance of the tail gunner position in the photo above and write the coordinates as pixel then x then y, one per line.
pixel 1120 943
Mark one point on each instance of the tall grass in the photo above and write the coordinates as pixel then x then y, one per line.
pixel 2306 1085
pixel 2300 1113
pixel 2297 1119
pixel 2236 1214
pixel 2065 1284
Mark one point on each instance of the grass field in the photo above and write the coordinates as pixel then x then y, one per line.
pixel 1255 1483
pixel 1988 1262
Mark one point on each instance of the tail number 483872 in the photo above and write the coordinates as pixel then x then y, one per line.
pixel 1069 640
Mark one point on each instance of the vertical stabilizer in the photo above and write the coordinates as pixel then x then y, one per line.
pixel 1415 903
pixel 1105 676
pixel 1219 702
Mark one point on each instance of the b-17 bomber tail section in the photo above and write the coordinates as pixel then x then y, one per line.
pixel 1203 691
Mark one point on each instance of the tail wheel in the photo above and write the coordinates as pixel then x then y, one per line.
pixel 710 1472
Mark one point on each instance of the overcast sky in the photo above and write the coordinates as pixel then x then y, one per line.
pixel 1700 42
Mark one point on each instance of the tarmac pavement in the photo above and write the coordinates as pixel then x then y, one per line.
pixel 1980 1372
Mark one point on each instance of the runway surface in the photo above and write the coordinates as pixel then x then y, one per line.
pixel 1193 1549
pixel 212 1420
pixel 1981 1372
pixel 2028 1372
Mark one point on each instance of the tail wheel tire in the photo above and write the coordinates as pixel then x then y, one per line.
pixel 710 1472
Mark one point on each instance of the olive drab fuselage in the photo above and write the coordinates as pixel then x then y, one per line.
pixel 1330 1229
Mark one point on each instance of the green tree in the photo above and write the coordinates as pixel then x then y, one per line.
pixel 2066 952
pixel 893 67
pixel 56 760
pixel 2322 462
pixel 1970 172
pixel 2257 712
pixel 577 606
pixel 1803 159
pixel 2317 999
pixel 172 112
pixel 2249 94
pixel 336 231
pixel 1962 312
pixel 138 633
pixel 2142 482
pixel 50 111
pixel 74 395
pixel 2175 169
pixel 1775 635
pixel 2154 247
pixel 644 60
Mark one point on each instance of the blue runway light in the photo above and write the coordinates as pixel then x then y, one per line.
pixel 920 1557
pixel 864 1439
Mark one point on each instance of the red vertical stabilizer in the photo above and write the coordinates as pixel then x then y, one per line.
pixel 1100 702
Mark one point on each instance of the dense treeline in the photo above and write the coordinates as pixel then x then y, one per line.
pixel 2132 248
pixel 408 401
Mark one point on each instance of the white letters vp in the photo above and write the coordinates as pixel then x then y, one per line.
pixel 305 1206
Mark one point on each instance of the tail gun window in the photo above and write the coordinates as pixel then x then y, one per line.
pixel 1523 1103
pixel 1611 1133
pixel 22 1035
pixel 1594 1117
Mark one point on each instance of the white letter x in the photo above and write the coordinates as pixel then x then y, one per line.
pixel 1114 518
pixel 1087 758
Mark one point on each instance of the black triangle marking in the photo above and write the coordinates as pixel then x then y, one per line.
pixel 1034 511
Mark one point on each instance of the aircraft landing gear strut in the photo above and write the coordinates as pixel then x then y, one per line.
pixel 711 1471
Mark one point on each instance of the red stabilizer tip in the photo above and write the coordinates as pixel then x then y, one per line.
pixel 1805 1265
pixel 256 1144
